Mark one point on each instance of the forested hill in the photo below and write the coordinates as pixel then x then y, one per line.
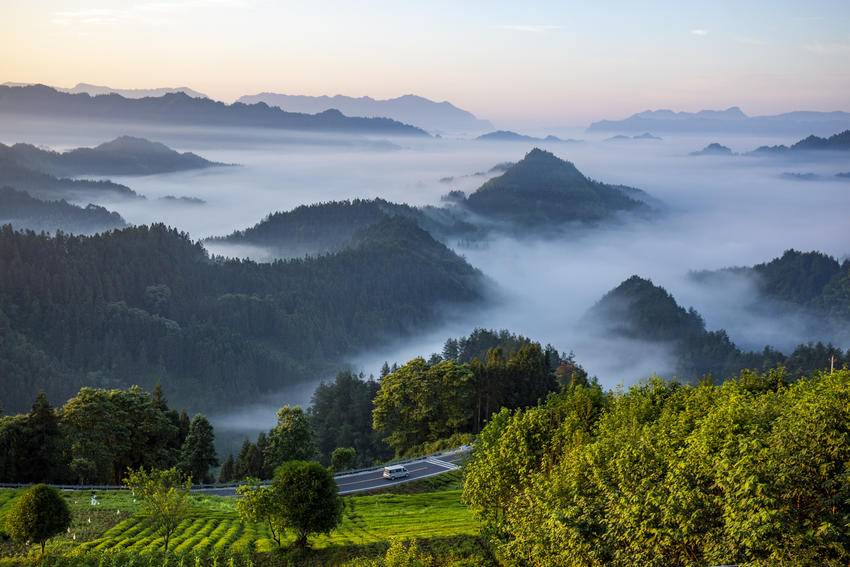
pixel 811 280
pixel 330 227
pixel 124 155
pixel 39 184
pixel 639 310
pixel 180 108
pixel 23 211
pixel 542 189
pixel 147 304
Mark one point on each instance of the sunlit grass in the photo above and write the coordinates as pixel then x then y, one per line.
pixel 214 527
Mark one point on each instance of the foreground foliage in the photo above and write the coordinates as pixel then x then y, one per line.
pixel 164 498
pixel 752 472
pixel 309 499
pixel 38 515
pixel 423 402
pixel 99 434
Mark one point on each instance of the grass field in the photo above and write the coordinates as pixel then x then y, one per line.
pixel 431 512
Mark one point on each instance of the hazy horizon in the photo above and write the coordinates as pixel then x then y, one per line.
pixel 568 66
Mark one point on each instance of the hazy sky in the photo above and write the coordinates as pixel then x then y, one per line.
pixel 558 63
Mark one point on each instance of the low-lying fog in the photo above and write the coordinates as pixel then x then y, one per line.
pixel 723 211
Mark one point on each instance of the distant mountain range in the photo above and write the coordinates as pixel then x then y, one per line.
pixel 509 136
pixel 836 143
pixel 624 138
pixel 496 169
pixel 542 190
pixel 15 174
pixel 124 155
pixel 729 121
pixel 23 211
pixel 409 109
pixel 51 175
pixel 180 108
pixel 807 146
pixel 126 93
pixel 714 149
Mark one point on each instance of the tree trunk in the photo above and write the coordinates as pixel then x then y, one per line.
pixel 302 540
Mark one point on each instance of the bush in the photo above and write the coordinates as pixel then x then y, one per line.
pixel 38 515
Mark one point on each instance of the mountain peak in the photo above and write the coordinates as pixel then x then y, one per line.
pixel 542 189
pixel 538 158
pixel 538 154
pixel 134 144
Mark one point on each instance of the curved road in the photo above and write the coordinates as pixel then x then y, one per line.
pixel 372 479
pixel 348 483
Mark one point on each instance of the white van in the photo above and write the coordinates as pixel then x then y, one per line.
pixel 393 472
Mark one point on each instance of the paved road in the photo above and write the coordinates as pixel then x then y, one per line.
pixel 372 479
pixel 348 483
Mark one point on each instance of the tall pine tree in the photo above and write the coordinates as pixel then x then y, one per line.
pixel 198 452
pixel 43 440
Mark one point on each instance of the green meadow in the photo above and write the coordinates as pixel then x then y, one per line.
pixel 114 533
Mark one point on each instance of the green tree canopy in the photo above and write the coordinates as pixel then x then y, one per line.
pixel 198 452
pixel 341 416
pixel 228 470
pixel 308 494
pixel 753 471
pixel 38 515
pixel 343 458
pixel 263 504
pixel 291 439
pixel 44 442
pixel 164 496
pixel 419 403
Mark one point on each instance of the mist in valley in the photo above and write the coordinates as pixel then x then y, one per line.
pixel 717 212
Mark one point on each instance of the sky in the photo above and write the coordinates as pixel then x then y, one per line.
pixel 529 63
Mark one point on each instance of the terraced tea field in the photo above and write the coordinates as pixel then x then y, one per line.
pixel 214 529
pixel 366 520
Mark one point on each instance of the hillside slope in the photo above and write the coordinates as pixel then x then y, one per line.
pixel 146 304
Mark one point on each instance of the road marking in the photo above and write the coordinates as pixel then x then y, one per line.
pixel 444 464
pixel 400 481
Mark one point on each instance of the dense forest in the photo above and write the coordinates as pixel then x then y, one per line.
pixel 751 471
pixel 412 408
pixel 639 310
pixel 810 280
pixel 22 211
pixel 98 434
pixel 330 227
pixel 147 304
